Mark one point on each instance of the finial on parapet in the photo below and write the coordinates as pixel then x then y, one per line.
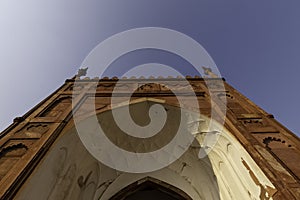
pixel 209 72
pixel 82 72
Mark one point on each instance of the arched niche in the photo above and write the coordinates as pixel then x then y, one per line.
pixel 228 172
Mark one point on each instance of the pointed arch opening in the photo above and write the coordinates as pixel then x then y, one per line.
pixel 150 188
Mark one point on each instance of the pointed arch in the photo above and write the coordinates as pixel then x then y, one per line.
pixel 150 186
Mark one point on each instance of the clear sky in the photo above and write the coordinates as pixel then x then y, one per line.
pixel 255 45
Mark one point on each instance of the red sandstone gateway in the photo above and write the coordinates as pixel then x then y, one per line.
pixel 252 156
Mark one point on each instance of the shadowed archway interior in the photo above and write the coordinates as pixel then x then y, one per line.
pixel 150 188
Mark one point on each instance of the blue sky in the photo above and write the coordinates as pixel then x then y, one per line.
pixel 255 45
